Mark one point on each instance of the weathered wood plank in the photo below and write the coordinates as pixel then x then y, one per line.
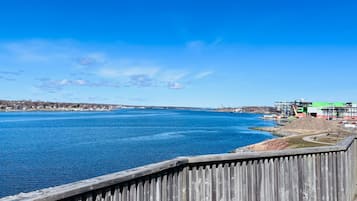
pixel 281 179
pixel 200 183
pixel 250 178
pixel 239 181
pixel 245 183
pixel 220 182
pixel 232 182
pixel 132 192
pixel 117 194
pixel 295 178
pixel 334 176
pixel 225 182
pixel 164 187
pixel 324 184
pixel 125 193
pixel 208 183
pixel 214 182
pixel 175 186
pixel 169 187
pixel 318 175
pixel 152 189
pixel 158 189
pixel 193 189
pixel 140 191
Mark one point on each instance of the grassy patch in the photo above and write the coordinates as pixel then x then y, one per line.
pixel 298 142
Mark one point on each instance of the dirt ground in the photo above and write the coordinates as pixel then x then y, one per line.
pixel 304 132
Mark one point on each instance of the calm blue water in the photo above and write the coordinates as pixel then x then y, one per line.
pixel 42 149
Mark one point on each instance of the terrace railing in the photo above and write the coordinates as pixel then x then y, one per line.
pixel 313 174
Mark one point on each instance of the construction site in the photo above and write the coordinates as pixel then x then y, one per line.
pixel 309 124
pixel 324 110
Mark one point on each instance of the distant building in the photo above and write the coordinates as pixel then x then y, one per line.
pixel 325 110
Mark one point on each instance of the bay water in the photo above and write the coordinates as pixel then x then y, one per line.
pixel 44 149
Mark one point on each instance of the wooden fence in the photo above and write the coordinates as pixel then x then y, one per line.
pixel 313 174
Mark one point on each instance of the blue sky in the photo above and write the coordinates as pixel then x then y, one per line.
pixel 181 53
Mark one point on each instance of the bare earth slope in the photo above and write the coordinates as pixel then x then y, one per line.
pixel 304 132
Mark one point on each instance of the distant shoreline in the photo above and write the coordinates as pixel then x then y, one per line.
pixel 10 111
pixel 44 106
pixel 32 106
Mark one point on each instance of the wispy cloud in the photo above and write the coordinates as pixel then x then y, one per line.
pixel 203 74
pixel 53 86
pixel 144 76
pixel 91 59
pixel 195 45
pixel 6 78
pixel 175 85
pixel 127 72
pixel 199 45
pixel 86 61
pixel 141 81
pixel 10 75
pixel 14 73
pixel 75 65
pixel 39 50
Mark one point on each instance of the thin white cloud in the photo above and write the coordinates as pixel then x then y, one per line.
pixel 91 59
pixel 141 81
pixel 198 45
pixel 195 45
pixel 127 72
pixel 175 85
pixel 145 76
pixel 203 74
pixel 39 50
pixel 172 75
pixel 10 75
pixel 81 82
pixel 6 78
pixel 54 86
pixel 83 67
pixel 108 73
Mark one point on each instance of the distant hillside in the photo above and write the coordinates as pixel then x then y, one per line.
pixel 28 105
pixel 249 109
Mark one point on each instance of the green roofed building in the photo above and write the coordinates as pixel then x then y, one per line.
pixel 328 104
pixel 326 110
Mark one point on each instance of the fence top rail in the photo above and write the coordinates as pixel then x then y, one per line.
pixel 84 186
pixel 79 187
pixel 247 155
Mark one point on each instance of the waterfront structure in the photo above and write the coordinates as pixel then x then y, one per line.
pixel 315 173
pixel 325 110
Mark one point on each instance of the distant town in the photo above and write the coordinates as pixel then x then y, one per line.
pixel 29 105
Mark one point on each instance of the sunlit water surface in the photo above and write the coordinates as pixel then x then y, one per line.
pixel 43 149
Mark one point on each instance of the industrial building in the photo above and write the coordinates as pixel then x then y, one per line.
pixel 325 110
